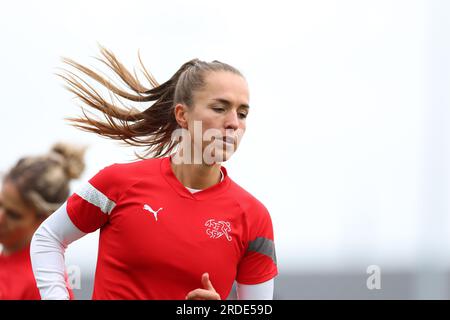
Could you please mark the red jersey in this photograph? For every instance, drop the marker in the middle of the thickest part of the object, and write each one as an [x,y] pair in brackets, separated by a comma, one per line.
[17,279]
[157,238]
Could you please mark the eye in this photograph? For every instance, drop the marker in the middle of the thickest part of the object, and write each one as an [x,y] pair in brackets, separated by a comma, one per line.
[12,215]
[218,109]
[242,115]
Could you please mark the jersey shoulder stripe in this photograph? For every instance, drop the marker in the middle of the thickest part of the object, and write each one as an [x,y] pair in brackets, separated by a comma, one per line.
[94,196]
[263,246]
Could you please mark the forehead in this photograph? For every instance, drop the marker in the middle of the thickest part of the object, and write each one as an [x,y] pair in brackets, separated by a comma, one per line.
[10,197]
[226,85]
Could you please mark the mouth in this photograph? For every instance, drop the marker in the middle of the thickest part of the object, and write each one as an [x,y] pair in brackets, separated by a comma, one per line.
[229,140]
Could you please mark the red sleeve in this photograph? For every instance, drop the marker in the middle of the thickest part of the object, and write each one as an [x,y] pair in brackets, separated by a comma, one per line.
[91,205]
[258,264]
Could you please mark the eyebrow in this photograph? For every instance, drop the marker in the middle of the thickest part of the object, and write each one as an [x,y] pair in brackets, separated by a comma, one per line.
[225,101]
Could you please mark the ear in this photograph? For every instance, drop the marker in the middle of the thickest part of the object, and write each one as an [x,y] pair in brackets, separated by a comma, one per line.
[181,115]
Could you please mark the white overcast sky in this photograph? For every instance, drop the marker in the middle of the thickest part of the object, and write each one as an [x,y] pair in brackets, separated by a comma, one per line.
[346,143]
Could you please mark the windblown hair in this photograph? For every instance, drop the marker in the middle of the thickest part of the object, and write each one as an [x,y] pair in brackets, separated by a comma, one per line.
[151,128]
[43,181]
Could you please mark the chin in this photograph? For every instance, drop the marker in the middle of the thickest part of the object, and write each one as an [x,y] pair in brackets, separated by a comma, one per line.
[219,153]
[224,156]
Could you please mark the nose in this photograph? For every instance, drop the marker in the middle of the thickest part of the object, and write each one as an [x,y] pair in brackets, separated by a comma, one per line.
[232,120]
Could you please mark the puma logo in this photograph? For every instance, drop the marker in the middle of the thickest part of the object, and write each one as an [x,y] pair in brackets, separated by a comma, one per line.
[155,213]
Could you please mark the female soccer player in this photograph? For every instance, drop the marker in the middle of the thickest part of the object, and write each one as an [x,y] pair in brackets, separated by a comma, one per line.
[174,225]
[33,189]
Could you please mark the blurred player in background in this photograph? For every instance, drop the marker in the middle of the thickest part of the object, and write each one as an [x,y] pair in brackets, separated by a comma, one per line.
[173,225]
[31,191]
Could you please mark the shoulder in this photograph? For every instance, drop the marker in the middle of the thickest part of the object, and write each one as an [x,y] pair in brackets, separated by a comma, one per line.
[30,290]
[257,219]
[130,171]
[23,278]
[116,178]
[251,206]
[137,167]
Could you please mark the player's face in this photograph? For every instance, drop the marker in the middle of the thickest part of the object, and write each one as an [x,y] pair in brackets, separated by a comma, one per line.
[18,221]
[221,105]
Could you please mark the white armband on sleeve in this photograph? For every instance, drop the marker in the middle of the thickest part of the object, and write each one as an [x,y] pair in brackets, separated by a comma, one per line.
[47,254]
[260,291]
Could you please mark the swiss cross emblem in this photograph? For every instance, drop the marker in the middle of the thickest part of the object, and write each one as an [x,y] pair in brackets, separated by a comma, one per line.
[216,229]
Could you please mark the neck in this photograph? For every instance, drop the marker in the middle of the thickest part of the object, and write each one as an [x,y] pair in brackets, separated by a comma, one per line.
[9,250]
[197,176]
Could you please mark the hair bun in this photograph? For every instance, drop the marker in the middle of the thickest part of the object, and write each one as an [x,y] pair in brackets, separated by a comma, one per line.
[73,158]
